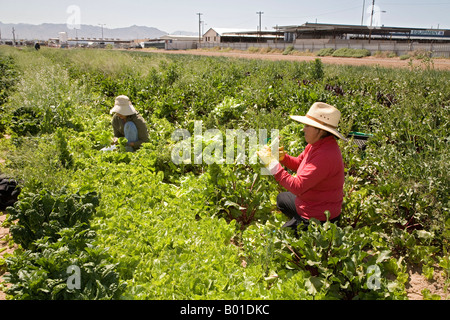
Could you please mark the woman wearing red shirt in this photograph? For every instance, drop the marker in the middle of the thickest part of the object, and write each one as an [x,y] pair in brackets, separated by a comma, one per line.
[319,181]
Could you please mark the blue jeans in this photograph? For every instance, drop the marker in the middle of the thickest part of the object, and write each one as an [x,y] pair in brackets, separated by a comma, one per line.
[131,134]
[286,204]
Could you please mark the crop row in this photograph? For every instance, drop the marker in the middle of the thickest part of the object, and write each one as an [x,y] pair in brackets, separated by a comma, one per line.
[195,231]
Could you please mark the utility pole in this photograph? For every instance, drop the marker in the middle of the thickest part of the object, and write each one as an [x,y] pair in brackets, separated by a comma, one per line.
[259,13]
[371,15]
[76,36]
[14,36]
[199,27]
[362,16]
[203,27]
[102,24]
[259,31]
[371,19]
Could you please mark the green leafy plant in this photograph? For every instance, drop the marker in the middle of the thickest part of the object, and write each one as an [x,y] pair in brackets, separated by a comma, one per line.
[317,70]
[237,193]
[45,214]
[229,109]
[64,155]
[196,231]
[54,233]
[339,261]
[8,76]
[45,273]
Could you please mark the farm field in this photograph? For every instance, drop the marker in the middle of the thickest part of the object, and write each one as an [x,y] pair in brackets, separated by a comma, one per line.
[139,226]
[396,62]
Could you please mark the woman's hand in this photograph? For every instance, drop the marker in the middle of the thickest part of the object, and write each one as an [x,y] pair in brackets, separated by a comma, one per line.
[266,156]
[281,153]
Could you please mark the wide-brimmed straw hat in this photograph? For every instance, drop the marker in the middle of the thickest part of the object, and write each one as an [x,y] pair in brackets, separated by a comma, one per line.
[322,116]
[123,106]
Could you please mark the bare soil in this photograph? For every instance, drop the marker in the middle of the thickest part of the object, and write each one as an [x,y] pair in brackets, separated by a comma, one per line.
[5,248]
[437,63]
[417,282]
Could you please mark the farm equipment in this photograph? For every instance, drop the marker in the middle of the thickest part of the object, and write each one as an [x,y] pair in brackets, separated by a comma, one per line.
[360,139]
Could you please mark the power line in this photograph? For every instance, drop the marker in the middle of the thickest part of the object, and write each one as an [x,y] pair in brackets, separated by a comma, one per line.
[416,4]
[314,14]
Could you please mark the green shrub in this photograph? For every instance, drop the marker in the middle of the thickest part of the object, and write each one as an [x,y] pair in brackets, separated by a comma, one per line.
[351,53]
[317,69]
[288,50]
[253,49]
[325,52]
[391,55]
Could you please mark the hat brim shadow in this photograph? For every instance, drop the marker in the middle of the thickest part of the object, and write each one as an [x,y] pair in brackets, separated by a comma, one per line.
[310,122]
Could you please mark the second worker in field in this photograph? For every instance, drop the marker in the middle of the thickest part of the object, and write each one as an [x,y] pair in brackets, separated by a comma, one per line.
[127,123]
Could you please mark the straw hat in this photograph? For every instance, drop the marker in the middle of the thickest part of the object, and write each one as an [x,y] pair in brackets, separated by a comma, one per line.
[322,116]
[123,106]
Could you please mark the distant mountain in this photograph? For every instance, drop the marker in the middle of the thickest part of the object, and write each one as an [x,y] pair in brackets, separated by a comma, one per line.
[46,31]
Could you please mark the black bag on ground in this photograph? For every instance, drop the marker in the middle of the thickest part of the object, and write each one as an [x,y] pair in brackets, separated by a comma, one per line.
[9,191]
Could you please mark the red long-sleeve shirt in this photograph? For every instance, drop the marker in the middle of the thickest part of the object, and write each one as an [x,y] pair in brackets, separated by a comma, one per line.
[319,182]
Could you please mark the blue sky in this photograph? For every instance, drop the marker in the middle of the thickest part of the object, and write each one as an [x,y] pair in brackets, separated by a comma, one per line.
[175,15]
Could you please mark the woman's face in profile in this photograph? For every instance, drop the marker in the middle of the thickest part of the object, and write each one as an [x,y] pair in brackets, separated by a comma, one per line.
[312,134]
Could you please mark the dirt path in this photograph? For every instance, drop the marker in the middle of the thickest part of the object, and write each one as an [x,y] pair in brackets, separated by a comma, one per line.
[4,235]
[417,282]
[4,247]
[440,64]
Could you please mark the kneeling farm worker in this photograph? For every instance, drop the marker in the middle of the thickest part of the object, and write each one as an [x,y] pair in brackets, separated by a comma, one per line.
[128,123]
[319,183]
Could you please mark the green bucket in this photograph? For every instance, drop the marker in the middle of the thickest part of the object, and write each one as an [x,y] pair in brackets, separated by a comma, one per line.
[359,138]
